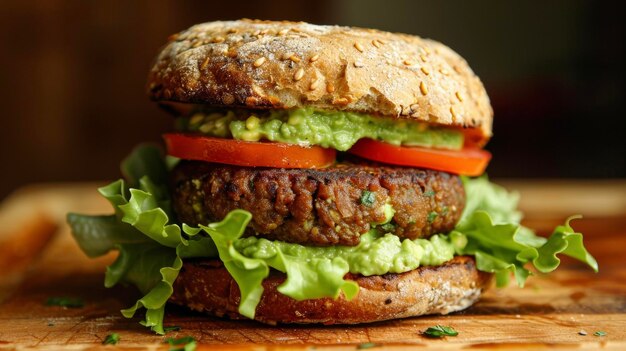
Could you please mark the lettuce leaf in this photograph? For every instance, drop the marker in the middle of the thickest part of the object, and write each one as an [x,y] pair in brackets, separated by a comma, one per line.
[152,247]
[501,245]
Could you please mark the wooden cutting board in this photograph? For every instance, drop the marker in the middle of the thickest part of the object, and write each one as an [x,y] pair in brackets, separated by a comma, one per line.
[39,260]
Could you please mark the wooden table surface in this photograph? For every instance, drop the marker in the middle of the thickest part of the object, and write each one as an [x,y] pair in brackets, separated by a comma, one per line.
[38,260]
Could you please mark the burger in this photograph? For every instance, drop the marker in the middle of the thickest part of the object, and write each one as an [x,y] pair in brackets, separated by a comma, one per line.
[315,174]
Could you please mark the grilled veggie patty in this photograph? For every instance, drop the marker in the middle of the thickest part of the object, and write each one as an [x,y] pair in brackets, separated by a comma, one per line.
[320,207]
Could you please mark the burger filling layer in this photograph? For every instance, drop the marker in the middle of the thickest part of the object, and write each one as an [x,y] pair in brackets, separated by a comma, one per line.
[153,244]
[331,129]
[375,254]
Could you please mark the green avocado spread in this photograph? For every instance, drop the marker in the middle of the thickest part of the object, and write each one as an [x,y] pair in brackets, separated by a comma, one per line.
[375,254]
[331,129]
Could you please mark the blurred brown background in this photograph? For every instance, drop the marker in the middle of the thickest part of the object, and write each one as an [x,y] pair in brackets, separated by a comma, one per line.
[73,73]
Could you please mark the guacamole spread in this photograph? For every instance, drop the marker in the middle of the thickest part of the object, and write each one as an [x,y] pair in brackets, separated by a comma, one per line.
[374,255]
[338,130]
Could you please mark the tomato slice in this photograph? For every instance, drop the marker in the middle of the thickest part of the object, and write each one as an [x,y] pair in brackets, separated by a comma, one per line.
[247,153]
[468,161]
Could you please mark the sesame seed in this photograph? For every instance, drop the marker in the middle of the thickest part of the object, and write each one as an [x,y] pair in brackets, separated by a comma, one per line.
[287,55]
[196,44]
[358,47]
[453,112]
[256,32]
[340,101]
[294,58]
[315,84]
[408,63]
[425,70]
[205,63]
[283,31]
[265,31]
[218,39]
[315,57]
[457,69]
[259,61]
[299,74]
[444,71]
[459,96]
[231,31]
[257,90]
[358,64]
[330,87]
[423,88]
[376,43]
[423,58]
[380,42]
[426,50]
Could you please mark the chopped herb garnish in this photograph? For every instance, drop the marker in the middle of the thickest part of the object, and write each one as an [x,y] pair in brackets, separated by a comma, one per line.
[367,345]
[432,216]
[65,302]
[188,343]
[600,333]
[429,193]
[171,328]
[439,331]
[111,339]
[368,198]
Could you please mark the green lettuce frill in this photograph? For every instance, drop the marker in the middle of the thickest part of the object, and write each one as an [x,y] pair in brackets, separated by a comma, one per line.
[152,247]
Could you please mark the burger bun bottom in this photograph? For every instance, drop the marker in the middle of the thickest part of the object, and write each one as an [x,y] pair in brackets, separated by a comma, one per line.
[206,286]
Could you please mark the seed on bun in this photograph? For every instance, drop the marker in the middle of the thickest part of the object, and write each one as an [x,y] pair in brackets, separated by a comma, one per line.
[284,65]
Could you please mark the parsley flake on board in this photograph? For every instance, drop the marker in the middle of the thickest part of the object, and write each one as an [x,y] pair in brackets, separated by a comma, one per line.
[65,302]
[186,343]
[600,333]
[439,331]
[366,345]
[111,339]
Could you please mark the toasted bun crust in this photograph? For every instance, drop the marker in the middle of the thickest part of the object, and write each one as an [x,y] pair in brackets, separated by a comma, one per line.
[206,286]
[279,65]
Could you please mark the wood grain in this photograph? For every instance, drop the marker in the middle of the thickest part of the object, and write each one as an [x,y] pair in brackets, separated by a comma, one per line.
[548,313]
